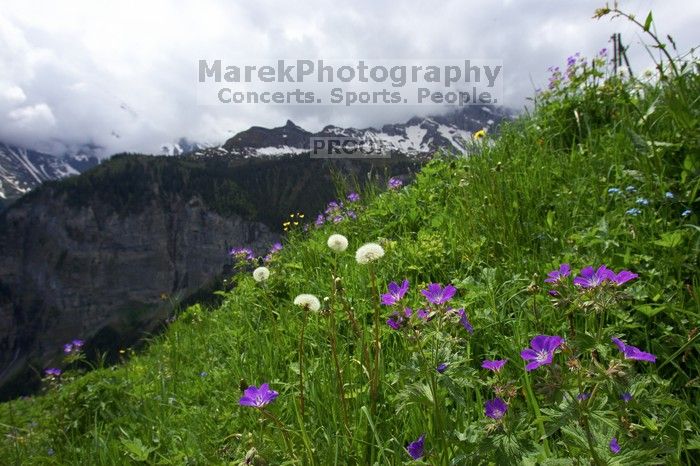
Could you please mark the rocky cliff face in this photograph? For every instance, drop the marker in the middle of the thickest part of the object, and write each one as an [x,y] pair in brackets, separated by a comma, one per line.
[89,272]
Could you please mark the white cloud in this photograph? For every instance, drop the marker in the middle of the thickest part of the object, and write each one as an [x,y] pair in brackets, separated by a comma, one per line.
[122,74]
[11,95]
[32,116]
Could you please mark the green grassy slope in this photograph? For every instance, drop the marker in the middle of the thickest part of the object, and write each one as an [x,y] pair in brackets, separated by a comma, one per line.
[492,225]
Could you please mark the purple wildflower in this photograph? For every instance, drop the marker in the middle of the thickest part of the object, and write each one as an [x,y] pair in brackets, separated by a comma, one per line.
[258,397]
[277,247]
[541,351]
[632,352]
[353,197]
[496,408]
[351,214]
[395,293]
[332,207]
[442,367]
[395,183]
[621,277]
[494,365]
[320,220]
[464,320]
[614,446]
[558,275]
[415,448]
[583,396]
[626,397]
[396,321]
[242,253]
[553,293]
[436,294]
[53,372]
[423,314]
[73,347]
[338,219]
[590,278]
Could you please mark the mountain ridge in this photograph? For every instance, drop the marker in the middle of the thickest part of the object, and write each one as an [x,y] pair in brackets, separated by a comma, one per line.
[22,169]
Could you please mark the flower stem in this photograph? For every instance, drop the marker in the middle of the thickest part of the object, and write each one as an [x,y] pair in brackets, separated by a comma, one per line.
[339,373]
[538,415]
[301,361]
[282,428]
[374,385]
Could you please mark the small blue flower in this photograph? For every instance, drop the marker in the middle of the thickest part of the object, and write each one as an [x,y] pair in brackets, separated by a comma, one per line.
[686,213]
[642,201]
[631,189]
[669,195]
[614,191]
[634,212]
[203,374]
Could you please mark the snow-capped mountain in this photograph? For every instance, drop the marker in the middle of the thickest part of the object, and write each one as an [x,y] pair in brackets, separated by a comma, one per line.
[419,136]
[181,146]
[21,170]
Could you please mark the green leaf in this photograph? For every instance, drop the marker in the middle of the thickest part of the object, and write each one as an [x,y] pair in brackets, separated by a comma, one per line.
[550,219]
[136,449]
[647,22]
[693,443]
[650,424]
[670,239]
[649,310]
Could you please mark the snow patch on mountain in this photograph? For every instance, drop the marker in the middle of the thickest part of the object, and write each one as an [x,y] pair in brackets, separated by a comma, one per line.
[21,169]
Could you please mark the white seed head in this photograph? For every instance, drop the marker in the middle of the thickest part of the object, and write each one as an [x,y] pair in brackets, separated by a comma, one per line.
[261,274]
[308,301]
[369,252]
[338,243]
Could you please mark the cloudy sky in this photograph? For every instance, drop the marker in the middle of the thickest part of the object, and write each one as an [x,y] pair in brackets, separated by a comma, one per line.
[122,74]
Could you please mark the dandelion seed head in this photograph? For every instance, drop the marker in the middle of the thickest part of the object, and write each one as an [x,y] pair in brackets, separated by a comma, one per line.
[337,243]
[261,274]
[308,301]
[369,252]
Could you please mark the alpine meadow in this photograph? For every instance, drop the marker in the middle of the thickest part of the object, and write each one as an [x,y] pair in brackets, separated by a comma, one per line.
[535,302]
